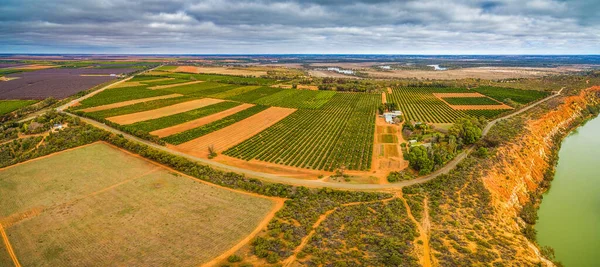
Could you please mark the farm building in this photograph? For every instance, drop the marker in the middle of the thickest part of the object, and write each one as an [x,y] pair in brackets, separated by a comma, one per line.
[390,116]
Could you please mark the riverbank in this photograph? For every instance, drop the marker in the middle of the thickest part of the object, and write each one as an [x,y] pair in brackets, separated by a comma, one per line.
[568,219]
[524,169]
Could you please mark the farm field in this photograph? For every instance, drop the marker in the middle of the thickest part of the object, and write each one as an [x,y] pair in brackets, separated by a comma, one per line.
[222,138]
[339,133]
[164,111]
[7,106]
[220,70]
[470,101]
[96,212]
[57,83]
[516,95]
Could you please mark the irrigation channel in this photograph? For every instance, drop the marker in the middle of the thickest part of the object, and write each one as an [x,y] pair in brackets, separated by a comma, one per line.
[569,216]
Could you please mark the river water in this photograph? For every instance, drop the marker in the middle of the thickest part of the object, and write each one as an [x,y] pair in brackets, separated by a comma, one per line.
[569,216]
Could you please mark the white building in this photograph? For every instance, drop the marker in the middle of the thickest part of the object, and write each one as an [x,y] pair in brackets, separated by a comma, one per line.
[390,116]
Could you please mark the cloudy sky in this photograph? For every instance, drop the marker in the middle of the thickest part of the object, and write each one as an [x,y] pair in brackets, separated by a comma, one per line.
[314,26]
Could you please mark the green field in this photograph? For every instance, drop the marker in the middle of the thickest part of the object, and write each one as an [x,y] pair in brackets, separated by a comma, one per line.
[470,101]
[341,132]
[502,94]
[420,105]
[95,212]
[8,106]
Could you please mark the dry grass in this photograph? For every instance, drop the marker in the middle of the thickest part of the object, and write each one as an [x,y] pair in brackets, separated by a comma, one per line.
[221,70]
[113,208]
[34,67]
[234,134]
[481,72]
[164,111]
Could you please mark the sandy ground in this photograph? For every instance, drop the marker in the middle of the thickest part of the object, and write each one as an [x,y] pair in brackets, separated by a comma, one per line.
[383,98]
[199,122]
[387,156]
[272,168]
[332,74]
[34,67]
[220,70]
[173,85]
[95,213]
[481,72]
[234,134]
[164,111]
[127,103]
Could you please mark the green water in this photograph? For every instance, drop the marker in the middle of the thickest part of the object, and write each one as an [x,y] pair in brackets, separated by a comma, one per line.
[569,216]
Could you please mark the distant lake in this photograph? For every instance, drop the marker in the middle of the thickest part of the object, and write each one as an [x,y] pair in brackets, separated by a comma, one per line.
[569,216]
[437,67]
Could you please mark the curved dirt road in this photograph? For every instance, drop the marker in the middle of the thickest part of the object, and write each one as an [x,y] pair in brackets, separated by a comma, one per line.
[308,183]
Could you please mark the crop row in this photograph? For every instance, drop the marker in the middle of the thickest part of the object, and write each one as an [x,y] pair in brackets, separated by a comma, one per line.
[179,118]
[470,101]
[339,133]
[291,98]
[419,104]
[251,96]
[503,94]
[188,135]
[117,95]
[221,78]
[139,107]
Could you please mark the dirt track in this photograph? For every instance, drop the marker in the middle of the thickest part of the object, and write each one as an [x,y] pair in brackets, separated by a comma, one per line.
[164,111]
[9,248]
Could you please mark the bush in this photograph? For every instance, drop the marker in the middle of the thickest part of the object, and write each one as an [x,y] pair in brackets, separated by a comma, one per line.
[234,258]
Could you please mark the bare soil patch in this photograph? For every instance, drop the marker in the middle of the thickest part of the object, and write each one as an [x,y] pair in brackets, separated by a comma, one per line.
[96,212]
[332,74]
[34,67]
[221,70]
[480,72]
[271,168]
[173,85]
[199,122]
[387,156]
[127,103]
[234,134]
[164,111]
[383,98]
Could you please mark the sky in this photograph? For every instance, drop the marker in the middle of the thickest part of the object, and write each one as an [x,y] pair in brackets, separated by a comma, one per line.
[300,27]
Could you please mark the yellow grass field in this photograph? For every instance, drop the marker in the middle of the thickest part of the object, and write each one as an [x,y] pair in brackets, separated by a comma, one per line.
[113,208]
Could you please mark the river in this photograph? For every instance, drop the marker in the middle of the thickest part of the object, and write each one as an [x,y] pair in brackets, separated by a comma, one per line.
[569,216]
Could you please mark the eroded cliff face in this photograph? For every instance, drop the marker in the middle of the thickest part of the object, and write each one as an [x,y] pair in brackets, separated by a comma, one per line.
[520,165]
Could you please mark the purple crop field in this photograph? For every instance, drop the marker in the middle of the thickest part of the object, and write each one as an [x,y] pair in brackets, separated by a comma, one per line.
[57,83]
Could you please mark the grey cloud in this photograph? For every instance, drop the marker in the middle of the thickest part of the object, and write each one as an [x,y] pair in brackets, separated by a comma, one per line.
[315,26]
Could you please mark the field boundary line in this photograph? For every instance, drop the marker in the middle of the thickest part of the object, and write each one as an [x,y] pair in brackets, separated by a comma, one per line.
[9,247]
[47,156]
[279,203]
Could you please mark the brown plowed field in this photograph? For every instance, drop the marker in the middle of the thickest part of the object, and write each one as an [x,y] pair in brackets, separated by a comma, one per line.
[234,134]
[220,70]
[164,111]
[440,95]
[173,85]
[383,98]
[199,122]
[127,103]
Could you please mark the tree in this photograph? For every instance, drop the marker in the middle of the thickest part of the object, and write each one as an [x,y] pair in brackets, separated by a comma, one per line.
[419,160]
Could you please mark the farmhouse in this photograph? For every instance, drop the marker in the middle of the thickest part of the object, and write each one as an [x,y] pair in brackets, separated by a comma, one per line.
[390,116]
